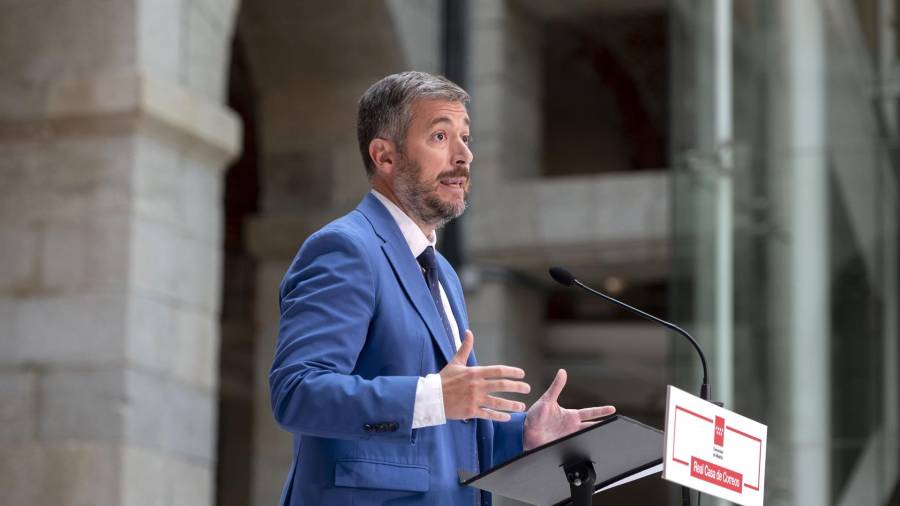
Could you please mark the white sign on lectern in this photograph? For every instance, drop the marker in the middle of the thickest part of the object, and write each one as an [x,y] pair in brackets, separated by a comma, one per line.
[714,450]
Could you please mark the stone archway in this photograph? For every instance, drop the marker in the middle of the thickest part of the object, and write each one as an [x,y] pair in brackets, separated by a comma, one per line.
[309,62]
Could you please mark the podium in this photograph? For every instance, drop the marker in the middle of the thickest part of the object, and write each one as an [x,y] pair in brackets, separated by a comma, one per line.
[571,469]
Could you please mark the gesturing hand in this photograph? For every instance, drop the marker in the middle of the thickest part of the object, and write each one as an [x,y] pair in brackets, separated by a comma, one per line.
[467,390]
[548,421]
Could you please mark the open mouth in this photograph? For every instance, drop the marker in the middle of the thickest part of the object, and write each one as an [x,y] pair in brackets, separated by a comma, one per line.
[454,182]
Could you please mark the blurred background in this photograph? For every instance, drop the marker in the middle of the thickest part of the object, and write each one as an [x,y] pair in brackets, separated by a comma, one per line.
[731,165]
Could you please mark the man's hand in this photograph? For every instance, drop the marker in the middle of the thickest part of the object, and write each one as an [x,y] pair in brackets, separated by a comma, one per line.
[467,390]
[548,421]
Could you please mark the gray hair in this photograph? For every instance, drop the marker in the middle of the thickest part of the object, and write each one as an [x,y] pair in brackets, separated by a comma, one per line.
[384,109]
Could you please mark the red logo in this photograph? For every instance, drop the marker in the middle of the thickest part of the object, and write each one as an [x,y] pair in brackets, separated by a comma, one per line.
[719,439]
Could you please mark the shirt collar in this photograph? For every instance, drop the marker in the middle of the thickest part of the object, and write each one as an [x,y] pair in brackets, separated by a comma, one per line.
[415,238]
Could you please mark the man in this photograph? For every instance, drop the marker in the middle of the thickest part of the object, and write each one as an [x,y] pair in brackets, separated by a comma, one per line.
[374,373]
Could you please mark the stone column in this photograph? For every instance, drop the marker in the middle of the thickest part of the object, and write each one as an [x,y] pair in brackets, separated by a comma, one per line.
[506,125]
[112,144]
[506,315]
[506,94]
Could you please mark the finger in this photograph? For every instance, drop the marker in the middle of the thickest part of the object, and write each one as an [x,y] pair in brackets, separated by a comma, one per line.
[489,414]
[518,387]
[500,404]
[585,425]
[465,348]
[559,382]
[498,371]
[595,412]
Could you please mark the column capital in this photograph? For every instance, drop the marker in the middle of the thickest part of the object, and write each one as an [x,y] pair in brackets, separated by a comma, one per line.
[144,101]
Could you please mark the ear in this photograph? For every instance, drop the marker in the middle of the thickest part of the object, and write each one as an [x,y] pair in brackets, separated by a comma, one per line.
[383,154]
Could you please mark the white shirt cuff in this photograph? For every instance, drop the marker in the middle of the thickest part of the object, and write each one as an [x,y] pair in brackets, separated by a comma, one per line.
[429,407]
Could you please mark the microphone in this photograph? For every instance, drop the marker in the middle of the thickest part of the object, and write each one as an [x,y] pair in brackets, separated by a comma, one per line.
[566,278]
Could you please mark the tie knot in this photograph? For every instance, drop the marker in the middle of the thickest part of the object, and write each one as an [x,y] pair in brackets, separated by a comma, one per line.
[427,259]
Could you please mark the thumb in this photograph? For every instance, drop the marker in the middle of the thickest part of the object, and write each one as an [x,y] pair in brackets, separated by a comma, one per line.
[462,355]
[559,382]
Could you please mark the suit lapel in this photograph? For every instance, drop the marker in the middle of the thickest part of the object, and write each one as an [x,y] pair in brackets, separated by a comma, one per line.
[407,270]
[455,299]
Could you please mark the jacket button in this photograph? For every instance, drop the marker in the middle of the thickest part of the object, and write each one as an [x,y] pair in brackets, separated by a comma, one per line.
[368,427]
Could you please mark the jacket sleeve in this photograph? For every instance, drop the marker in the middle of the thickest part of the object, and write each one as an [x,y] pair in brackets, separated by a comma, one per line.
[509,439]
[328,298]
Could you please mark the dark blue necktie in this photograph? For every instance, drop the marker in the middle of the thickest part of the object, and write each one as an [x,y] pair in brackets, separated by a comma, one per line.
[430,267]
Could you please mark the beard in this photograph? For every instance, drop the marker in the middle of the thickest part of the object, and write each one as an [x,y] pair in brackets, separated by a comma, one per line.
[421,199]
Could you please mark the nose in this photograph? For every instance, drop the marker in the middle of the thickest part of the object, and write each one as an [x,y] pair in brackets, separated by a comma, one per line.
[462,155]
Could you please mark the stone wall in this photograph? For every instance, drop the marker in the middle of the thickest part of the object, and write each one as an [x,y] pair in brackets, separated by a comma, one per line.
[112,144]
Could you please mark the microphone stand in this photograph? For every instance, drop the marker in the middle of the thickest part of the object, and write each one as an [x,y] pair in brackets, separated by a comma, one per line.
[704,386]
[566,278]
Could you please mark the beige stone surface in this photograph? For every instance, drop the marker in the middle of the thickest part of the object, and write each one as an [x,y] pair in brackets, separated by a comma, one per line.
[155,479]
[181,343]
[87,36]
[280,236]
[617,223]
[197,186]
[191,483]
[196,361]
[169,417]
[272,445]
[291,114]
[18,403]
[268,281]
[86,256]
[60,473]
[85,404]
[206,50]
[157,176]
[130,94]
[304,42]
[155,340]
[63,179]
[78,329]
[145,477]
[113,137]
[19,246]
[269,477]
[158,32]
[417,25]
[17,461]
[506,92]
[154,263]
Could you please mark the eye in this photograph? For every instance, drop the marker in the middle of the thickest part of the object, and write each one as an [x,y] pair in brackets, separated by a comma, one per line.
[466,138]
[441,136]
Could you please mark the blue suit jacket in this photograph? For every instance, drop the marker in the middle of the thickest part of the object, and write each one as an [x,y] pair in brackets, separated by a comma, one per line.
[358,328]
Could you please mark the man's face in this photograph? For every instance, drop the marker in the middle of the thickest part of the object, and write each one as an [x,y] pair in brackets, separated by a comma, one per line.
[432,178]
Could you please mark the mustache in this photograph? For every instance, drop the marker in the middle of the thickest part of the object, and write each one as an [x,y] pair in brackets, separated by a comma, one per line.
[459,172]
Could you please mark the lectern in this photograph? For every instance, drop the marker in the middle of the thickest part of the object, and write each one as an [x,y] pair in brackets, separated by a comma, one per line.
[571,469]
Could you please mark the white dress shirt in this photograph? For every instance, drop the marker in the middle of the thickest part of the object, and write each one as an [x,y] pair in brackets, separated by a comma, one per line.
[429,406]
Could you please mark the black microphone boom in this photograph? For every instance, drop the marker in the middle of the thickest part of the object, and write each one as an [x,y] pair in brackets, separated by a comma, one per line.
[562,276]
[566,278]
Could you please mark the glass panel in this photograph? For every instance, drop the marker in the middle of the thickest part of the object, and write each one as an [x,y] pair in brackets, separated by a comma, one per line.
[813,243]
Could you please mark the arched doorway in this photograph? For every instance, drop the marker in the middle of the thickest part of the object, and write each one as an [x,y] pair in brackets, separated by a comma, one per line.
[298,69]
